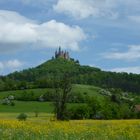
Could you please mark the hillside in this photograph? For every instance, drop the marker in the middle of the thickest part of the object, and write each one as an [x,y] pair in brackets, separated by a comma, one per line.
[41,77]
[28,100]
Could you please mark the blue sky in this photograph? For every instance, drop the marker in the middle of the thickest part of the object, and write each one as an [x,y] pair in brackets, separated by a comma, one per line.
[100,33]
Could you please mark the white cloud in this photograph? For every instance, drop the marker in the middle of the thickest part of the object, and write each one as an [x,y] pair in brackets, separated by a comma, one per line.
[127,69]
[13,17]
[17,31]
[11,64]
[85,8]
[133,53]
[54,33]
[112,9]
[76,8]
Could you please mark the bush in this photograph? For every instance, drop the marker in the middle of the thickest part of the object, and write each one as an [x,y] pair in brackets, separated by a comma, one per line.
[27,96]
[95,105]
[6,101]
[11,97]
[22,117]
[77,97]
[138,115]
[79,112]
[48,96]
[12,103]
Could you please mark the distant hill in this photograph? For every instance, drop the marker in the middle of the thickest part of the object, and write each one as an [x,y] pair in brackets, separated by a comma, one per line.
[41,77]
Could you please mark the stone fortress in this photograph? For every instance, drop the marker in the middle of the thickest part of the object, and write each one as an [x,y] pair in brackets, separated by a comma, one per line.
[62,54]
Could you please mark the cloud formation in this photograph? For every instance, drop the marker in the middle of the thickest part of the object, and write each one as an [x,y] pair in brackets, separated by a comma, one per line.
[133,53]
[11,65]
[18,31]
[85,8]
[112,9]
[127,69]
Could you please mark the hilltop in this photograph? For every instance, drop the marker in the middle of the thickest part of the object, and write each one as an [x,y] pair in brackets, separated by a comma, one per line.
[41,76]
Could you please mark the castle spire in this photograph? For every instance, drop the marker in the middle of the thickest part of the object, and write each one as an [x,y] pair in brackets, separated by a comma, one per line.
[59,49]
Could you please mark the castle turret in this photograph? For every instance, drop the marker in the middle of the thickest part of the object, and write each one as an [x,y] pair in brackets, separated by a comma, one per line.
[62,54]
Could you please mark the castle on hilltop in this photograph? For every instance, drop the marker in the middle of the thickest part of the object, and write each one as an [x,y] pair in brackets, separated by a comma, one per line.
[62,54]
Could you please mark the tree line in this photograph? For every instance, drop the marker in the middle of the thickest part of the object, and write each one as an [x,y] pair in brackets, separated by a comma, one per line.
[41,77]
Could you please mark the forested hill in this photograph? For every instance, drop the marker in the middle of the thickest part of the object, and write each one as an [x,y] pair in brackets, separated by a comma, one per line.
[41,77]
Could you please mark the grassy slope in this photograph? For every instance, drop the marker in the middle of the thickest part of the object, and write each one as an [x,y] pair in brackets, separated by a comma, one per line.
[31,106]
[90,90]
[37,92]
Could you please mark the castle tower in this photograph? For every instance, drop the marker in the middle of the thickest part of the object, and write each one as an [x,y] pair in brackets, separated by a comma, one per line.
[59,50]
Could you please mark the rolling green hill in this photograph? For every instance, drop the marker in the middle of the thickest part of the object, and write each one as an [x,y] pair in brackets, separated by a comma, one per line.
[28,100]
[36,93]
[32,104]
[84,97]
[41,77]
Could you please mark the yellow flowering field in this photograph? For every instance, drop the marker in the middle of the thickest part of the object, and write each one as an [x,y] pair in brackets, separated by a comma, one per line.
[70,130]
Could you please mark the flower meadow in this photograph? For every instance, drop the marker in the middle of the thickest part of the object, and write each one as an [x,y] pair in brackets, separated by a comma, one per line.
[70,130]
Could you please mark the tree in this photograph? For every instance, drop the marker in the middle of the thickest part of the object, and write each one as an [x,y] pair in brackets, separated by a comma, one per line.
[62,89]
[22,117]
[79,112]
[95,106]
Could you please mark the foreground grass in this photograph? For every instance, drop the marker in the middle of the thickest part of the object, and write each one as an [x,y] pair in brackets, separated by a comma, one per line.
[42,116]
[30,106]
[71,130]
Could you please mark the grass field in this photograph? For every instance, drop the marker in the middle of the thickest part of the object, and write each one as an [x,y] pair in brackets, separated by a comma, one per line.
[31,116]
[30,106]
[70,130]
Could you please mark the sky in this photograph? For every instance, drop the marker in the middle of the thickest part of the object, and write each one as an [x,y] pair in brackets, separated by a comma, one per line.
[99,33]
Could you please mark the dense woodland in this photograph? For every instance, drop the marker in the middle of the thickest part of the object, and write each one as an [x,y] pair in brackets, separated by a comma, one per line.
[42,75]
